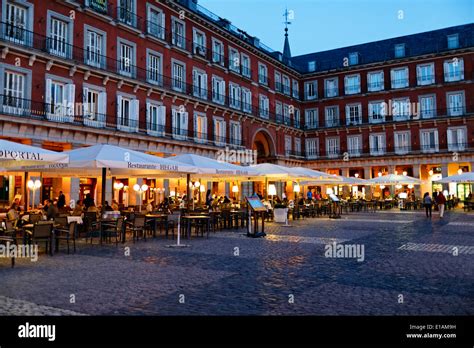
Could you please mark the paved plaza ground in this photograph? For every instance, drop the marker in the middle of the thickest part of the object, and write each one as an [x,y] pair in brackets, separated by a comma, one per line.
[409,268]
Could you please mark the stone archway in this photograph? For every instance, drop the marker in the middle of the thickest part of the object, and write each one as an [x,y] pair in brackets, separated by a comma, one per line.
[264,145]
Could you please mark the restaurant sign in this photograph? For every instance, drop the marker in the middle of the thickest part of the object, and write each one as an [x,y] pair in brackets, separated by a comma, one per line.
[20,155]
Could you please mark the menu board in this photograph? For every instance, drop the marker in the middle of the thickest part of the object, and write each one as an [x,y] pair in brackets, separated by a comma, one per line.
[255,203]
[334,197]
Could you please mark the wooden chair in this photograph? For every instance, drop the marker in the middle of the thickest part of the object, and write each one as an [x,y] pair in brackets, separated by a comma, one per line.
[115,231]
[138,227]
[43,232]
[67,234]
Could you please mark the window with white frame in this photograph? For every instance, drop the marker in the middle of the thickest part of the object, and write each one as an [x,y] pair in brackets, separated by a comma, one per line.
[427,106]
[312,148]
[429,140]
[200,127]
[127,12]
[377,111]
[375,81]
[156,22]
[199,43]
[199,84]
[178,33]
[94,106]
[399,50]
[126,57]
[377,144]
[14,92]
[456,103]
[298,147]
[332,116]
[331,87]
[401,109]
[425,74]
[453,70]
[353,58]
[279,111]
[278,86]
[264,106]
[311,118]
[95,43]
[60,34]
[60,99]
[288,141]
[17,22]
[453,41]
[245,60]
[217,52]
[402,142]
[262,74]
[218,90]
[154,67]
[234,60]
[311,90]
[246,100]
[286,114]
[352,84]
[354,145]
[179,123]
[286,84]
[457,138]
[235,133]
[399,77]
[127,113]
[332,147]
[296,117]
[155,118]
[219,131]
[353,114]
[179,76]
[234,95]
[296,89]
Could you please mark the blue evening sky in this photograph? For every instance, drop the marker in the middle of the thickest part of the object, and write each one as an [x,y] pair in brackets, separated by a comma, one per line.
[320,25]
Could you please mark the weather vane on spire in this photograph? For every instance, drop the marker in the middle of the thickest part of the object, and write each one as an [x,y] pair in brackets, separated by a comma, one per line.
[288,15]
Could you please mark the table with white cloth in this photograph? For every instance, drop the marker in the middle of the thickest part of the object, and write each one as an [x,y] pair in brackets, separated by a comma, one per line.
[77,219]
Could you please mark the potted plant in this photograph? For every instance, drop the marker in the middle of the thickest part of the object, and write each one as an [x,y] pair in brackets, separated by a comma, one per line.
[280,212]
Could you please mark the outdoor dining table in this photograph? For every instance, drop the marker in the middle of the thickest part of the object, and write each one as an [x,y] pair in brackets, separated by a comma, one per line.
[77,219]
[155,218]
[190,218]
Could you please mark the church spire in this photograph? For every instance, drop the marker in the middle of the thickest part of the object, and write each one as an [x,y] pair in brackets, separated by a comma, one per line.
[286,46]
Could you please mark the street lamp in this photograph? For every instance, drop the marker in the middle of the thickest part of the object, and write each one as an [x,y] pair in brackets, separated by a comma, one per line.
[460,171]
[405,173]
[296,189]
[380,174]
[139,190]
[33,186]
[235,190]
[356,175]
[272,190]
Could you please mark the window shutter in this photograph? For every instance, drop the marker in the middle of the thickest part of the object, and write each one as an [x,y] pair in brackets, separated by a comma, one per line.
[162,25]
[48,91]
[149,124]
[162,117]
[184,123]
[70,97]
[204,83]
[102,108]
[174,120]
[119,108]
[460,134]
[135,113]
[461,68]
[396,140]
[450,138]
[85,104]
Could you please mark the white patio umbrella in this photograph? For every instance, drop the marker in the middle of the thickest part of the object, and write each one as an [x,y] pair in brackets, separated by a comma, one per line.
[394,179]
[341,180]
[464,178]
[315,175]
[13,155]
[209,167]
[277,172]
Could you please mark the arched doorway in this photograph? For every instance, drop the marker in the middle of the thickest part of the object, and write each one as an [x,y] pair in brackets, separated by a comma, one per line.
[264,145]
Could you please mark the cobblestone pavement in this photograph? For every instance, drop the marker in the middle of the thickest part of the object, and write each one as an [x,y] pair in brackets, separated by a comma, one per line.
[412,266]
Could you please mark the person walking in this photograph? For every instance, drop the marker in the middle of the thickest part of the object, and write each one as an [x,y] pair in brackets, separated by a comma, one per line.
[428,203]
[441,200]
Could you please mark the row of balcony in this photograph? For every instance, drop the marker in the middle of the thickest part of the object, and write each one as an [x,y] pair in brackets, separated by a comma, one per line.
[60,113]
[124,68]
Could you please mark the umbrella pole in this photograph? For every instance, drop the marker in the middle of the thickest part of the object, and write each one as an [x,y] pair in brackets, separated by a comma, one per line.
[188,191]
[266,189]
[104,184]
[25,191]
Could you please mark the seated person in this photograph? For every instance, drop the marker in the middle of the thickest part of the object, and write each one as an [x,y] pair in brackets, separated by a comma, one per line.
[52,211]
[108,207]
[12,213]
[78,209]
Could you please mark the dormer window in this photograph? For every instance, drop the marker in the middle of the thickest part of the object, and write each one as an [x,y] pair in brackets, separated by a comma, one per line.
[453,41]
[400,50]
[353,58]
[312,66]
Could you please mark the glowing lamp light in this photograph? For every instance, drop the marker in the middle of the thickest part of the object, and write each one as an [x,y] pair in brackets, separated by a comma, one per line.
[405,173]
[235,189]
[356,175]
[379,174]
[34,185]
[398,186]
[296,188]
[118,185]
[172,193]
[396,172]
[382,187]
[410,186]
[202,188]
[445,193]
[139,188]
[459,171]
[272,190]
[431,172]
[329,191]
[197,184]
